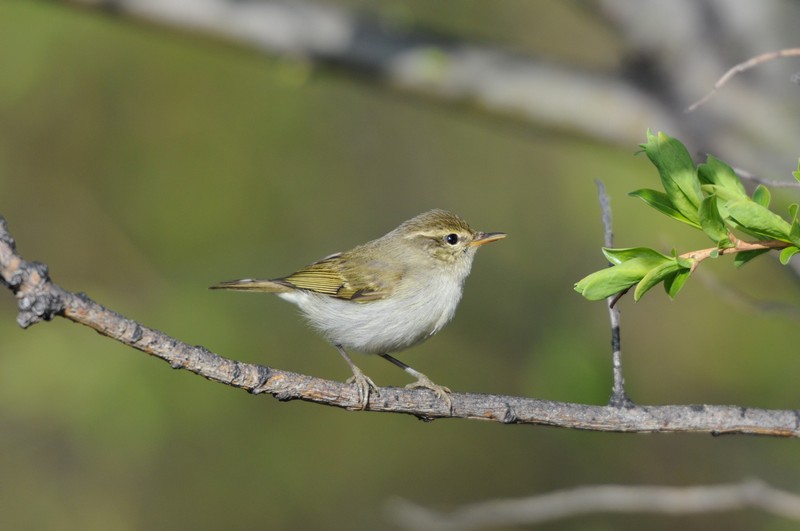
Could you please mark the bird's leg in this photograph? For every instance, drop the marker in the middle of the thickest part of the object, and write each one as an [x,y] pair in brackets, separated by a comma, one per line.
[423,381]
[363,383]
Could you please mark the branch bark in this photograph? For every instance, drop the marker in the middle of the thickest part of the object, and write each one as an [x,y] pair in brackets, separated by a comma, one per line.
[619,398]
[40,299]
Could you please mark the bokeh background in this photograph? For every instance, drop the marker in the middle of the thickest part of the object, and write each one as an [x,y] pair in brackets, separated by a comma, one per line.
[143,164]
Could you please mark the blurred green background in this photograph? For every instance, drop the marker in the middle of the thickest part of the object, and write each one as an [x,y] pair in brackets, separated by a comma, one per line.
[144,165]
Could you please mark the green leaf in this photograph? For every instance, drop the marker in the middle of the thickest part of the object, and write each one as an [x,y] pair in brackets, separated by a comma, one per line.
[677,171]
[754,219]
[618,256]
[673,284]
[612,280]
[761,195]
[723,193]
[745,256]
[660,201]
[794,234]
[716,172]
[606,282]
[788,253]
[797,173]
[654,276]
[711,222]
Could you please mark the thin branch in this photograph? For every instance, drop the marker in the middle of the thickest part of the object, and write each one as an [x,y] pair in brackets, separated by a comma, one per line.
[741,67]
[619,398]
[738,247]
[744,174]
[40,299]
[579,501]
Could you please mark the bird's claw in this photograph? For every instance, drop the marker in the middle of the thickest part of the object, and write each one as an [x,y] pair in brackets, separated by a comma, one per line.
[364,385]
[442,392]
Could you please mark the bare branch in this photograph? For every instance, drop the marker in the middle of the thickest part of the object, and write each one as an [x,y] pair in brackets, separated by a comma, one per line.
[741,67]
[619,398]
[601,498]
[744,174]
[41,299]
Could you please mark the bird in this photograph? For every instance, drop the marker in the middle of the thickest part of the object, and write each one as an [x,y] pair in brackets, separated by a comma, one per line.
[385,295]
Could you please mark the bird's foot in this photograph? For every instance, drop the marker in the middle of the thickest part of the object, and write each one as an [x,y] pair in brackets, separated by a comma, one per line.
[364,385]
[440,391]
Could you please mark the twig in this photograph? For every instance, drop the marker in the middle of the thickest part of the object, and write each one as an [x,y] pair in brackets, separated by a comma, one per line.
[578,501]
[738,247]
[744,174]
[41,299]
[619,398]
[741,67]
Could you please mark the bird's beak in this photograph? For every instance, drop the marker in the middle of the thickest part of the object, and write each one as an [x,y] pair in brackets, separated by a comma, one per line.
[486,237]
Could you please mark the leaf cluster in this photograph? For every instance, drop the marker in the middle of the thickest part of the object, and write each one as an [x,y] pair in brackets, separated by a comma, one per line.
[709,197]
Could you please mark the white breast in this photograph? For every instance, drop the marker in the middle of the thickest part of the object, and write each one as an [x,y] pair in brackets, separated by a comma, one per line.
[402,320]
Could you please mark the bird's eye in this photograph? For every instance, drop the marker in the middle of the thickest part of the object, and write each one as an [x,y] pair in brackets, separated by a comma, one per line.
[452,239]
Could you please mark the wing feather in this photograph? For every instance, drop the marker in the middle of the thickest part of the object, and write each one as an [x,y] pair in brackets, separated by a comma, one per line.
[345,277]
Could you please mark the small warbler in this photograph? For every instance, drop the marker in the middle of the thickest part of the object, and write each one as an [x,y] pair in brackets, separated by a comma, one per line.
[386,295]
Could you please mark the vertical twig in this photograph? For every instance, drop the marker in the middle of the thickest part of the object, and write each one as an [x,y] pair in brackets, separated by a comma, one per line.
[618,396]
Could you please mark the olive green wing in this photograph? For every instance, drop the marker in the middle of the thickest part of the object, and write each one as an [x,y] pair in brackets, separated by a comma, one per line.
[343,277]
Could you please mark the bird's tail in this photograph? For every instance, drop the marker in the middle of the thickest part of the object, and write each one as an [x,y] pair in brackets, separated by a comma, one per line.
[253,284]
